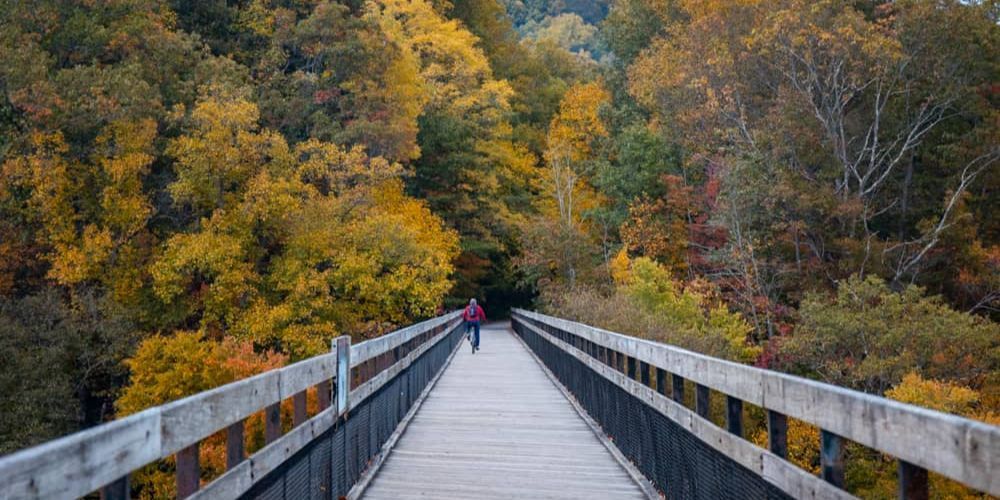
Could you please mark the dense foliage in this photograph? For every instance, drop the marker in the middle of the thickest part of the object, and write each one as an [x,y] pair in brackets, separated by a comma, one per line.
[195,191]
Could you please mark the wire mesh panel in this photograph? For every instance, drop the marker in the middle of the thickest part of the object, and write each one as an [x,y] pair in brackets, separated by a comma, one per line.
[677,462]
[332,463]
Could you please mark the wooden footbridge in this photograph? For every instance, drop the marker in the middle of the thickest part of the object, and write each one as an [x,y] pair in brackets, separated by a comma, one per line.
[547,409]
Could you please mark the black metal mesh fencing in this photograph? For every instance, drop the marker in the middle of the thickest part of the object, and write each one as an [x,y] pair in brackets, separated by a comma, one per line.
[677,462]
[328,467]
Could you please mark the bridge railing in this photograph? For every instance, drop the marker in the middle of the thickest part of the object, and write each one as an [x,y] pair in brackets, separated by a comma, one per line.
[634,389]
[102,457]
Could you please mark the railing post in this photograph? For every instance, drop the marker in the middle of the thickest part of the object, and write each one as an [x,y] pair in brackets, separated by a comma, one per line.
[831,458]
[188,471]
[734,415]
[912,482]
[678,388]
[343,344]
[234,445]
[118,490]
[701,399]
[777,433]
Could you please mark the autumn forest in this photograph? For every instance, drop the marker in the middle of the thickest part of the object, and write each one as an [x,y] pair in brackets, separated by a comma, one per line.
[196,191]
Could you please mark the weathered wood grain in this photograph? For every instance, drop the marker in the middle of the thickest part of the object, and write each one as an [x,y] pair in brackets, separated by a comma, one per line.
[364,351]
[188,420]
[83,462]
[300,376]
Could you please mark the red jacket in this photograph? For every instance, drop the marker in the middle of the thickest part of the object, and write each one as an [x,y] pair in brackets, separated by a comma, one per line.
[478,315]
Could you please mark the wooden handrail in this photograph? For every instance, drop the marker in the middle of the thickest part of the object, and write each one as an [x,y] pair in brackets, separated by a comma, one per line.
[78,464]
[965,450]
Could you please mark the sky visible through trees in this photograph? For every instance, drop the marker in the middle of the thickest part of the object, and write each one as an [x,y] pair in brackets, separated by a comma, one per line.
[192,192]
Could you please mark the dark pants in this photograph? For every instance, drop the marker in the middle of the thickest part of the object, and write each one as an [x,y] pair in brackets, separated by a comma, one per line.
[473,325]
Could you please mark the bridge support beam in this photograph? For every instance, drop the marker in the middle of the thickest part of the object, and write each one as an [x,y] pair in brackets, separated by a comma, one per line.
[912,482]
[831,458]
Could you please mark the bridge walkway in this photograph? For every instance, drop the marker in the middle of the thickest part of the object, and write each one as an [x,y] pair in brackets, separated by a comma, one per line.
[495,426]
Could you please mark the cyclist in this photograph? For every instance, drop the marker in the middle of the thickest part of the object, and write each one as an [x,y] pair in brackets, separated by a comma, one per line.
[473,316]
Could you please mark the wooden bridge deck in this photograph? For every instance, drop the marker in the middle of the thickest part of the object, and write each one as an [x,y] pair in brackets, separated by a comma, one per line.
[495,426]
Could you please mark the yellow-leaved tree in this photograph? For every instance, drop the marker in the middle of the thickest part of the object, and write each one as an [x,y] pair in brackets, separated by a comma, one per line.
[299,245]
[559,244]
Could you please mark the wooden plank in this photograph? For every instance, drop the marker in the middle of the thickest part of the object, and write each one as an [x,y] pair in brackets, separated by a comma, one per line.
[191,419]
[831,458]
[734,415]
[118,490]
[363,351]
[80,463]
[961,449]
[299,414]
[913,483]
[188,471]
[701,400]
[324,391]
[272,423]
[777,433]
[300,376]
[677,389]
[234,445]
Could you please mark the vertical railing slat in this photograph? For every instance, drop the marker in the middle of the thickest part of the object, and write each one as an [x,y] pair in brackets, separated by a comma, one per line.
[831,458]
[118,490]
[912,482]
[323,395]
[701,400]
[234,445]
[661,381]
[188,471]
[299,413]
[777,433]
[677,384]
[734,415]
[272,422]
